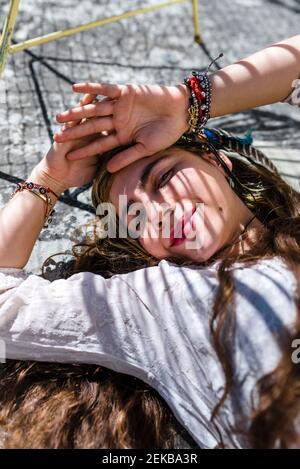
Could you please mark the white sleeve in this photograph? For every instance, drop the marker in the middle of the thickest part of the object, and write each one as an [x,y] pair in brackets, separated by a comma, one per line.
[112,322]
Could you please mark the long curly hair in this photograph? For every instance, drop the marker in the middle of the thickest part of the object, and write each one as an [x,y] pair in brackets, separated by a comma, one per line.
[277,205]
[72,406]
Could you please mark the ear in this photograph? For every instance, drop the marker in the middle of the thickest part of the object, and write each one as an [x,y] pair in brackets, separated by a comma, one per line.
[213,160]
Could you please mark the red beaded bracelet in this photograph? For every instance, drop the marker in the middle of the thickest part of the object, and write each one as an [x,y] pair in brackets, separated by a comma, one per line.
[200,99]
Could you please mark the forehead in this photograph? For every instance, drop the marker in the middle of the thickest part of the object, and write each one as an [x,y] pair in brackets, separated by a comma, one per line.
[125,181]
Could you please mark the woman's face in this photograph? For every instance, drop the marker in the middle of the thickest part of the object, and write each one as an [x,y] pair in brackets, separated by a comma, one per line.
[183,191]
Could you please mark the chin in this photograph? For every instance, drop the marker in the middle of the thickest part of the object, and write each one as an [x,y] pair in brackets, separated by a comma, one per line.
[200,254]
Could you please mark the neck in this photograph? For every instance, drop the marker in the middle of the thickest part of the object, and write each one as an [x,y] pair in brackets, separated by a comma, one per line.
[245,239]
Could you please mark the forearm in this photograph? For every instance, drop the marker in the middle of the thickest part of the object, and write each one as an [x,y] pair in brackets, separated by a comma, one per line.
[21,221]
[263,78]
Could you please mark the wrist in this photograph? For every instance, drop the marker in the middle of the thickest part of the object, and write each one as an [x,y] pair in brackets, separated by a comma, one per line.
[182,100]
[218,86]
[40,176]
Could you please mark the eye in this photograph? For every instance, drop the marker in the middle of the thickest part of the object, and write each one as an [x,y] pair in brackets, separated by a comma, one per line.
[164,178]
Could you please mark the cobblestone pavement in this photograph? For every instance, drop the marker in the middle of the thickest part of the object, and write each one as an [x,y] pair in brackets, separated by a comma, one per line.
[152,48]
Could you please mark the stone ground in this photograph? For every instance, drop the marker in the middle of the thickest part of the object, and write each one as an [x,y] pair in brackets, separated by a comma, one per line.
[153,48]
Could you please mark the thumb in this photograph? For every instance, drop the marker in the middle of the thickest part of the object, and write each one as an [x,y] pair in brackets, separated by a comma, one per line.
[126,157]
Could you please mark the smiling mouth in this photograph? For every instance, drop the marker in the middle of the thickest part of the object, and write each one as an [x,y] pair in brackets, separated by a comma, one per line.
[178,235]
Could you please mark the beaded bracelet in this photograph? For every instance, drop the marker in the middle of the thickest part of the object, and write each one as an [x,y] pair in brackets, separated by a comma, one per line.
[40,191]
[199,109]
[31,185]
[200,99]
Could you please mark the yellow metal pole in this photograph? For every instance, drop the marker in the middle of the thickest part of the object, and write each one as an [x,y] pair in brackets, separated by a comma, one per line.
[197,36]
[8,28]
[68,32]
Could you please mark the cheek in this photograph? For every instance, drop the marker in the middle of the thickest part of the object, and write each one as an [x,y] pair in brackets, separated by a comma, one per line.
[212,190]
[151,241]
[194,184]
[184,184]
[152,246]
[215,223]
[218,209]
[219,204]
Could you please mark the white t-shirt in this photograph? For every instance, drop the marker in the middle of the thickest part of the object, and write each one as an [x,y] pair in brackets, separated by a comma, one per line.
[154,324]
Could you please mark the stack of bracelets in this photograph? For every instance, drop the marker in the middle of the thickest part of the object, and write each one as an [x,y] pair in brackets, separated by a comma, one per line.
[200,100]
[43,193]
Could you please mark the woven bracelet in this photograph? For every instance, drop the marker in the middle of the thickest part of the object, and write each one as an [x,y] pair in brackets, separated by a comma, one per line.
[43,193]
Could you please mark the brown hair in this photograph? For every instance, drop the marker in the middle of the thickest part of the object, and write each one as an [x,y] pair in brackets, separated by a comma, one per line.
[69,406]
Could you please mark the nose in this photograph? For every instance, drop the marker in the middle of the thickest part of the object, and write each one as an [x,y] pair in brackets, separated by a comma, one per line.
[159,219]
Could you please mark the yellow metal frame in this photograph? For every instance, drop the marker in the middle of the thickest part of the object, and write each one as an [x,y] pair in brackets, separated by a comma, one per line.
[5,40]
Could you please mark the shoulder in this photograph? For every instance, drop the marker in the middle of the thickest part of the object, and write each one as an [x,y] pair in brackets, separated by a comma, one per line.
[265,299]
[271,269]
[264,291]
[270,276]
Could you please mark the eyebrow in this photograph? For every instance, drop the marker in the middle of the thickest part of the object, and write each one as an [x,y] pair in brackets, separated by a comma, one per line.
[146,173]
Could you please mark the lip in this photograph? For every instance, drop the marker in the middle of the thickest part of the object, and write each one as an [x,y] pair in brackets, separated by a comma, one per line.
[179,228]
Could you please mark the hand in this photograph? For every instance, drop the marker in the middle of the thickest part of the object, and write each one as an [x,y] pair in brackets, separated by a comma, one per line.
[151,117]
[59,173]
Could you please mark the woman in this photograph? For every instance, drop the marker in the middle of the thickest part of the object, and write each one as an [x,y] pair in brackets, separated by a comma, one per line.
[180,330]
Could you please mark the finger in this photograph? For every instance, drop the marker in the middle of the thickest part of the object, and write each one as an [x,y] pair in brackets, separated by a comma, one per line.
[90,161]
[86,99]
[126,157]
[107,132]
[87,111]
[98,146]
[92,126]
[104,89]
